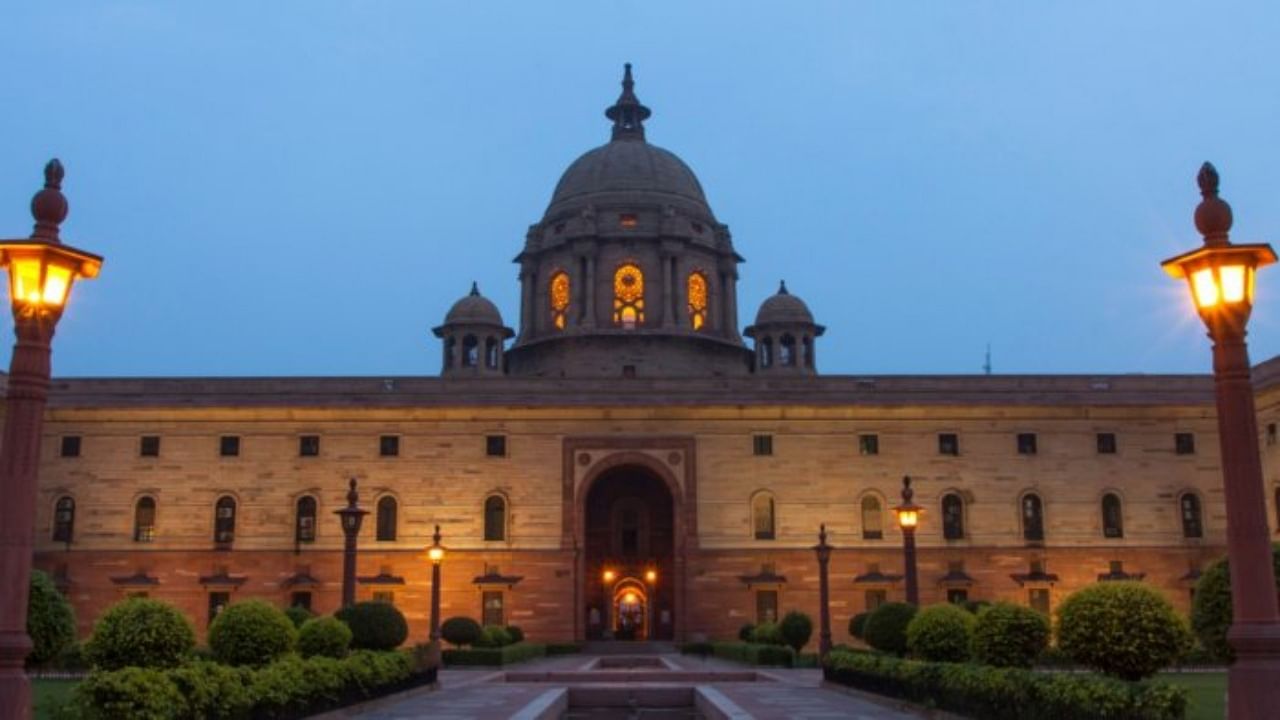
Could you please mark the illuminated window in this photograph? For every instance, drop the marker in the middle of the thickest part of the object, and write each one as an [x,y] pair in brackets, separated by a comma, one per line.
[872,518]
[627,220]
[144,520]
[762,521]
[64,519]
[628,296]
[305,520]
[560,299]
[1112,517]
[697,300]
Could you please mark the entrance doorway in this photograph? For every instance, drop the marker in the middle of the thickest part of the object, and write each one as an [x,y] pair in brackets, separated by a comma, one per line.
[630,611]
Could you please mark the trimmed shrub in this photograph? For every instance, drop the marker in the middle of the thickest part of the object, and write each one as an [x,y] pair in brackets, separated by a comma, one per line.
[1125,629]
[493,636]
[746,632]
[755,653]
[858,624]
[563,648]
[134,692]
[298,615]
[374,625]
[324,637]
[886,628]
[975,606]
[251,632]
[140,632]
[214,691]
[1008,635]
[1006,693]
[1211,612]
[494,656]
[460,631]
[517,635]
[796,629]
[50,621]
[767,633]
[940,633]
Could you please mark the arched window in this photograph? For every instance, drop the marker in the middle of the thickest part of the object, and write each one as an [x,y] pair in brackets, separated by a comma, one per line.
[766,352]
[495,518]
[450,343]
[491,352]
[560,298]
[952,516]
[787,351]
[762,520]
[224,520]
[697,287]
[872,518]
[808,352]
[305,520]
[1192,527]
[386,530]
[1032,518]
[628,296]
[144,519]
[1112,516]
[64,519]
[470,351]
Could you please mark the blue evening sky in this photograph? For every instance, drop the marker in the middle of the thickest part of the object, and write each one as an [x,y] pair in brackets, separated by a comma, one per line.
[303,188]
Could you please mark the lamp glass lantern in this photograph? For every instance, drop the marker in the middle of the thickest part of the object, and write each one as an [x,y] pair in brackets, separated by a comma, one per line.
[41,274]
[1221,278]
[435,553]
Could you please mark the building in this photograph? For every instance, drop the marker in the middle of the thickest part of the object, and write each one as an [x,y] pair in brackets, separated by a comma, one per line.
[625,463]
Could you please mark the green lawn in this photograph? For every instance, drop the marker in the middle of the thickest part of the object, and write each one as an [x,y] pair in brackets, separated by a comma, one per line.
[1208,691]
[50,692]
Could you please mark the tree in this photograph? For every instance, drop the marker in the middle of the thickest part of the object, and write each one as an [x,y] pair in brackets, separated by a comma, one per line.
[140,632]
[886,628]
[1008,635]
[1211,613]
[796,629]
[941,633]
[1125,629]
[51,623]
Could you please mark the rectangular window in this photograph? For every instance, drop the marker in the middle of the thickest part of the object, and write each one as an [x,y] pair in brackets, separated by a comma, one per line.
[869,444]
[149,446]
[1038,599]
[948,444]
[766,606]
[876,598]
[495,445]
[1271,433]
[308,445]
[1106,443]
[492,611]
[389,445]
[301,600]
[957,596]
[762,445]
[1184,443]
[229,446]
[218,601]
[1026,443]
[384,596]
[70,446]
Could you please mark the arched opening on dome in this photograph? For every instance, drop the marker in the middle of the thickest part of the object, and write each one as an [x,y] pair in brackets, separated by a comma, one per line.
[808,352]
[560,298]
[766,352]
[628,296]
[492,353]
[787,351]
[450,344]
[697,292]
[470,351]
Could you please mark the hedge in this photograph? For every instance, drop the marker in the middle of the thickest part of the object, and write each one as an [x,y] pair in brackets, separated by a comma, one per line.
[755,653]
[941,633]
[460,631]
[1006,693]
[886,628]
[139,632]
[563,649]
[1211,612]
[51,623]
[1008,635]
[325,637]
[494,656]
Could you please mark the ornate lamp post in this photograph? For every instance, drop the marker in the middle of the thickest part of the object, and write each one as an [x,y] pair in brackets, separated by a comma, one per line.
[651,589]
[1220,276]
[823,550]
[436,554]
[41,272]
[352,518]
[908,516]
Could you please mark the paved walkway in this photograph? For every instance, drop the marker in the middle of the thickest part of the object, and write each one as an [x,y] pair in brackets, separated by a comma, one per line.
[485,695]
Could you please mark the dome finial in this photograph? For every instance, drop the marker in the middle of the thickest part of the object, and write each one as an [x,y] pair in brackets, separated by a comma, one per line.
[475,289]
[627,114]
[49,206]
[1213,214]
[782,287]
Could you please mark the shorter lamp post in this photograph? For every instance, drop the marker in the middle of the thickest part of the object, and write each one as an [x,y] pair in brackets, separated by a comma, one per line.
[606,600]
[650,615]
[352,518]
[823,551]
[1220,276]
[908,517]
[435,554]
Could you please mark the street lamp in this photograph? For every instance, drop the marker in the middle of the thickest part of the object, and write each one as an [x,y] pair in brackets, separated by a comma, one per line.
[823,550]
[352,517]
[435,554]
[908,517]
[1221,279]
[41,272]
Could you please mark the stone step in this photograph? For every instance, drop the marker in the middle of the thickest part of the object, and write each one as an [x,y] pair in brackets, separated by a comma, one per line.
[628,647]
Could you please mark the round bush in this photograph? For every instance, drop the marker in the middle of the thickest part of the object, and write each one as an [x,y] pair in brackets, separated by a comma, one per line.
[251,632]
[459,631]
[134,692]
[796,629]
[1008,635]
[1211,612]
[746,632]
[517,635]
[325,637]
[375,625]
[767,633]
[140,632]
[1125,629]
[494,636]
[298,615]
[941,633]
[50,621]
[213,691]
[858,624]
[886,628]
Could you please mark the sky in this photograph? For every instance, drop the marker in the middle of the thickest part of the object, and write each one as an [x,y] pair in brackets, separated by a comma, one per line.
[304,188]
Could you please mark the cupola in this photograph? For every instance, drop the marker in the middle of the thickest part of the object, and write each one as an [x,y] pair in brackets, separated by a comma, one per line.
[473,336]
[784,334]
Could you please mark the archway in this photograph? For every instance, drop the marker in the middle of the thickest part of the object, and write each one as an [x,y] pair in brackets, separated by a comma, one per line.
[629,547]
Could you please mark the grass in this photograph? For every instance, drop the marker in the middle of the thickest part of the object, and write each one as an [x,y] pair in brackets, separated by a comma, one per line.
[49,693]
[1207,690]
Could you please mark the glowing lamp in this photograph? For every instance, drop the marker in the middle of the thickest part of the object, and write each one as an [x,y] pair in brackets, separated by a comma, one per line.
[629,598]
[436,552]
[908,517]
[651,576]
[609,575]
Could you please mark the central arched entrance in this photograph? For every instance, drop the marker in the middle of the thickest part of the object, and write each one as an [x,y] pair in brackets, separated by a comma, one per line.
[629,549]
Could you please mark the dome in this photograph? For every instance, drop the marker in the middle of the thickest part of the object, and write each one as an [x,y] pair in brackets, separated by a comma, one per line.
[474,309]
[632,167]
[784,308]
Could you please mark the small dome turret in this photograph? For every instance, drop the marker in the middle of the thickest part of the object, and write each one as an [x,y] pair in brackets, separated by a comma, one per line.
[473,336]
[784,334]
